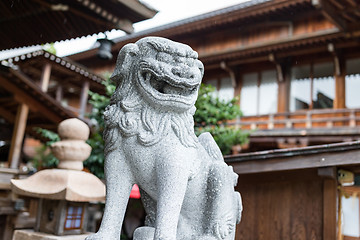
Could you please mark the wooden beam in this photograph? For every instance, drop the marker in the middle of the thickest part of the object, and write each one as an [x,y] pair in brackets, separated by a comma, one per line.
[284,92]
[329,209]
[138,7]
[23,97]
[327,172]
[42,125]
[278,67]
[122,24]
[18,136]
[283,68]
[342,158]
[352,3]
[125,25]
[237,62]
[239,84]
[96,20]
[6,100]
[331,13]
[83,98]
[265,46]
[231,72]
[45,77]
[337,3]
[340,93]
[8,116]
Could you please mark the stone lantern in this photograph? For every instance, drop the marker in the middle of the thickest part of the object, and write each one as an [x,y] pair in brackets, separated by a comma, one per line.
[63,193]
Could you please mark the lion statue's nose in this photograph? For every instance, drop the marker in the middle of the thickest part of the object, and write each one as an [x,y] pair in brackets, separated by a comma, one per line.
[190,73]
[177,71]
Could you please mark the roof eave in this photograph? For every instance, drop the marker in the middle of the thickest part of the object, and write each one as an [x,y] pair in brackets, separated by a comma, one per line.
[146,11]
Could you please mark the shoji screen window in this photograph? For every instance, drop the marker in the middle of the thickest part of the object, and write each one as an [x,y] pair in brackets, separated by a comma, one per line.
[352,83]
[259,93]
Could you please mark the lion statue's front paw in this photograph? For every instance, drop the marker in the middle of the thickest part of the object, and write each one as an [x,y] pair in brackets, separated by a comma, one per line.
[101,236]
[224,229]
[144,233]
[95,237]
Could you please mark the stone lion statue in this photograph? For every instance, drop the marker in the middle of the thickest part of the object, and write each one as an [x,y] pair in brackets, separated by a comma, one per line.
[186,187]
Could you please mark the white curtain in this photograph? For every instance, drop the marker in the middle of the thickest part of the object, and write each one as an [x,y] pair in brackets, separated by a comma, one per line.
[249,94]
[226,91]
[350,209]
[324,85]
[268,92]
[300,88]
[352,83]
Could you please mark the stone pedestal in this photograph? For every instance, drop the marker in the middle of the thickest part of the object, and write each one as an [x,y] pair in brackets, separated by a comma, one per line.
[31,235]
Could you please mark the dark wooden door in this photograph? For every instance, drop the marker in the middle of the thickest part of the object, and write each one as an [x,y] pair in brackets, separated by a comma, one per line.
[282,206]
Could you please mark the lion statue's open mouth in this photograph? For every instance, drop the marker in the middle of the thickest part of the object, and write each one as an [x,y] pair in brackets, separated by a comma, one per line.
[169,85]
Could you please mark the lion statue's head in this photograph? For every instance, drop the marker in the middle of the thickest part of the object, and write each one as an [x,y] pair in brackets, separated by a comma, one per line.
[157,85]
[165,72]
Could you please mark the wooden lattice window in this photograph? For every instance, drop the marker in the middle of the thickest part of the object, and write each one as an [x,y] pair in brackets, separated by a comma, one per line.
[74,217]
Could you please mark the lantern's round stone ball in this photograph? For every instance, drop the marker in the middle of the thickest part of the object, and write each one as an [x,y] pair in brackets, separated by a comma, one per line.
[74,129]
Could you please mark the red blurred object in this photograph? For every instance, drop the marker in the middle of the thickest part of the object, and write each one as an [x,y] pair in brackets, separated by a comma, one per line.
[135,192]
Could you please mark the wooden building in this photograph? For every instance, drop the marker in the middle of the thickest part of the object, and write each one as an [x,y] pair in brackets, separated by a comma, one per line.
[39,89]
[296,66]
[297,193]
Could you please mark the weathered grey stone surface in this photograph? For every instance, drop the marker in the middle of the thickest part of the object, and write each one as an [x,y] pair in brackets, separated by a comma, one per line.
[186,187]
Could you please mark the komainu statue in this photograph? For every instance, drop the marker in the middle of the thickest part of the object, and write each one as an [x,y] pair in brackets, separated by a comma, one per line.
[186,187]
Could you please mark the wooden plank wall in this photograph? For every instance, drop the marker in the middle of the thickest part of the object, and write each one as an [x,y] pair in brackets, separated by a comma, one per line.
[283,206]
[249,35]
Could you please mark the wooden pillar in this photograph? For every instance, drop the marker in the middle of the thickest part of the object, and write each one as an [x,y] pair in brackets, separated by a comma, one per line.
[311,105]
[83,98]
[59,93]
[45,77]
[8,228]
[18,135]
[237,91]
[259,77]
[233,74]
[329,209]
[339,100]
[284,75]
[239,83]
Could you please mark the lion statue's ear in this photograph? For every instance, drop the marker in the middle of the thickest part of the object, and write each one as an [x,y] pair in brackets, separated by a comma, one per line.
[123,62]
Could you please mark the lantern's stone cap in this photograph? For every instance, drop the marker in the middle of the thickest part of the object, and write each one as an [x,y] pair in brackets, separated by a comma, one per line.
[61,184]
[73,128]
[27,234]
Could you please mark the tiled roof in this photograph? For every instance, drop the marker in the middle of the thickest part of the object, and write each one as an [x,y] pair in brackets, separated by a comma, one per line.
[193,19]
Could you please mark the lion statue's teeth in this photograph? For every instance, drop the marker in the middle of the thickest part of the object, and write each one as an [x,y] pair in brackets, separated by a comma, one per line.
[148,76]
[168,89]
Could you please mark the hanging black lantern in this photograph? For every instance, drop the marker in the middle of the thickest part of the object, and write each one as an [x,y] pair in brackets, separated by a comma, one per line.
[105,48]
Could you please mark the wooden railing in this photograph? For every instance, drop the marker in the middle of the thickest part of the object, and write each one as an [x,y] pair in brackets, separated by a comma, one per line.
[327,118]
[72,109]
